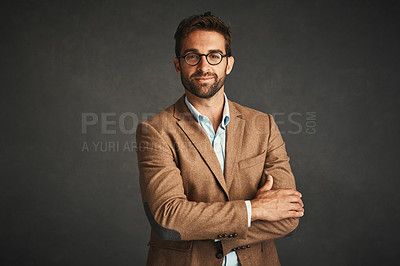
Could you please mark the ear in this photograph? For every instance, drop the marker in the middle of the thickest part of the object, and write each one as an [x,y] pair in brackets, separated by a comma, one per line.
[229,66]
[177,65]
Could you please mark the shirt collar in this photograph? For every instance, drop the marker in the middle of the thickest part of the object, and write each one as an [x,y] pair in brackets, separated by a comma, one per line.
[197,115]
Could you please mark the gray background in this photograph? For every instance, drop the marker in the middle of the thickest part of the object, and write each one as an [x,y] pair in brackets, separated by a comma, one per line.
[64,206]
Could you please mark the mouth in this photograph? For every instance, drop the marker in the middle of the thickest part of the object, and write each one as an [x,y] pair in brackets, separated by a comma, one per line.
[204,79]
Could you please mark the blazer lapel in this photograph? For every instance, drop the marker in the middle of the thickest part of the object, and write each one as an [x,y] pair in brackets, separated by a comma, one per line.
[234,137]
[199,139]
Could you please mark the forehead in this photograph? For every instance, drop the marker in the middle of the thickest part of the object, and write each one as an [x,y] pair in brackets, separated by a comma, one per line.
[204,41]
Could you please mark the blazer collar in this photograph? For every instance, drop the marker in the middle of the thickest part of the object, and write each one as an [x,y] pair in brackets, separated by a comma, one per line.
[234,137]
[200,141]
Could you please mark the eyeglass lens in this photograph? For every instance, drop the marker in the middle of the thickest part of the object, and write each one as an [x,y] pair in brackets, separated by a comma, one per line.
[212,58]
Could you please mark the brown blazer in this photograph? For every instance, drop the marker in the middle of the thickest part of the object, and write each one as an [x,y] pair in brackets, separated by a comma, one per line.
[188,200]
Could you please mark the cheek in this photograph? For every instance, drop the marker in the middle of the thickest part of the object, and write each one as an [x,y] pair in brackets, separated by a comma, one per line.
[185,73]
[188,72]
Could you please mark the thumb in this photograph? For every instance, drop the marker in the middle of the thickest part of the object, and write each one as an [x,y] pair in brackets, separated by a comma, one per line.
[268,184]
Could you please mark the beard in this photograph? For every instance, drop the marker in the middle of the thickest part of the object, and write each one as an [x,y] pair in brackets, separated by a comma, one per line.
[206,90]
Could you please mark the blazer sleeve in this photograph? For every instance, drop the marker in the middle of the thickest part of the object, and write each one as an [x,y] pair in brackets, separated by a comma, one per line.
[171,215]
[277,165]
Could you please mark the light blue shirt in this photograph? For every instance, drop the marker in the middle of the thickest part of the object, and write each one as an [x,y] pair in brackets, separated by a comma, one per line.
[218,141]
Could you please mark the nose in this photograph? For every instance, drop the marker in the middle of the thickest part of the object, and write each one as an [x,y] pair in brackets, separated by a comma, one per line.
[203,65]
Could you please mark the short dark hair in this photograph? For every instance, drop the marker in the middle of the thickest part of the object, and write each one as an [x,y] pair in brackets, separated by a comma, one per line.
[207,21]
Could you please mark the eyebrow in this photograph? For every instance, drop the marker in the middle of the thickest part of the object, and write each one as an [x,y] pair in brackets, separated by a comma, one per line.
[197,51]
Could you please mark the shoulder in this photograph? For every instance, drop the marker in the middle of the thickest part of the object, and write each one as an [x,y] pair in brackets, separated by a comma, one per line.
[164,122]
[250,114]
[161,117]
[156,124]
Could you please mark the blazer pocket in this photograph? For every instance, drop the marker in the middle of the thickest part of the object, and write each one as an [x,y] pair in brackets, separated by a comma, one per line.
[246,163]
[168,244]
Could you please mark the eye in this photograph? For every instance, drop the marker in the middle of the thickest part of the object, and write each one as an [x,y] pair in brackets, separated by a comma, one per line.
[215,56]
[191,56]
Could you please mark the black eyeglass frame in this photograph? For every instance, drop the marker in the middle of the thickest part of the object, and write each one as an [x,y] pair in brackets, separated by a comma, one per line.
[206,55]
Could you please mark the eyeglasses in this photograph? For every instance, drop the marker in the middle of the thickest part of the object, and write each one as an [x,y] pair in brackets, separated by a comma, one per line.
[193,59]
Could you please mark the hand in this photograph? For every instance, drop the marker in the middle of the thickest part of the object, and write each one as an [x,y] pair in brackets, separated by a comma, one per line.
[275,205]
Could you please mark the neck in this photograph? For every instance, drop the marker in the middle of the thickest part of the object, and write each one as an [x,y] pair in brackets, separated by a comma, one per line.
[211,107]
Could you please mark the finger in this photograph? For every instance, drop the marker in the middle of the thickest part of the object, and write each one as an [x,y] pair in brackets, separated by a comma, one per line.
[301,202]
[291,191]
[268,184]
[296,207]
[294,199]
[295,214]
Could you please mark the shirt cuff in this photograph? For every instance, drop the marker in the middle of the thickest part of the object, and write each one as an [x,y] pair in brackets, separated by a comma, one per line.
[248,206]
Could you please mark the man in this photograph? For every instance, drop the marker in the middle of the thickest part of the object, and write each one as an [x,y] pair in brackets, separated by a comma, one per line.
[216,183]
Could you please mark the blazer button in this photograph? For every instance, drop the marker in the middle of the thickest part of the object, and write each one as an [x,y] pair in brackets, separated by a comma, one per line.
[218,255]
[225,236]
[248,246]
[219,236]
[235,235]
[230,236]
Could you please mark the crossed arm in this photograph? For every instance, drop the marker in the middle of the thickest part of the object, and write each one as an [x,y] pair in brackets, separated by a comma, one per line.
[275,209]
[171,215]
